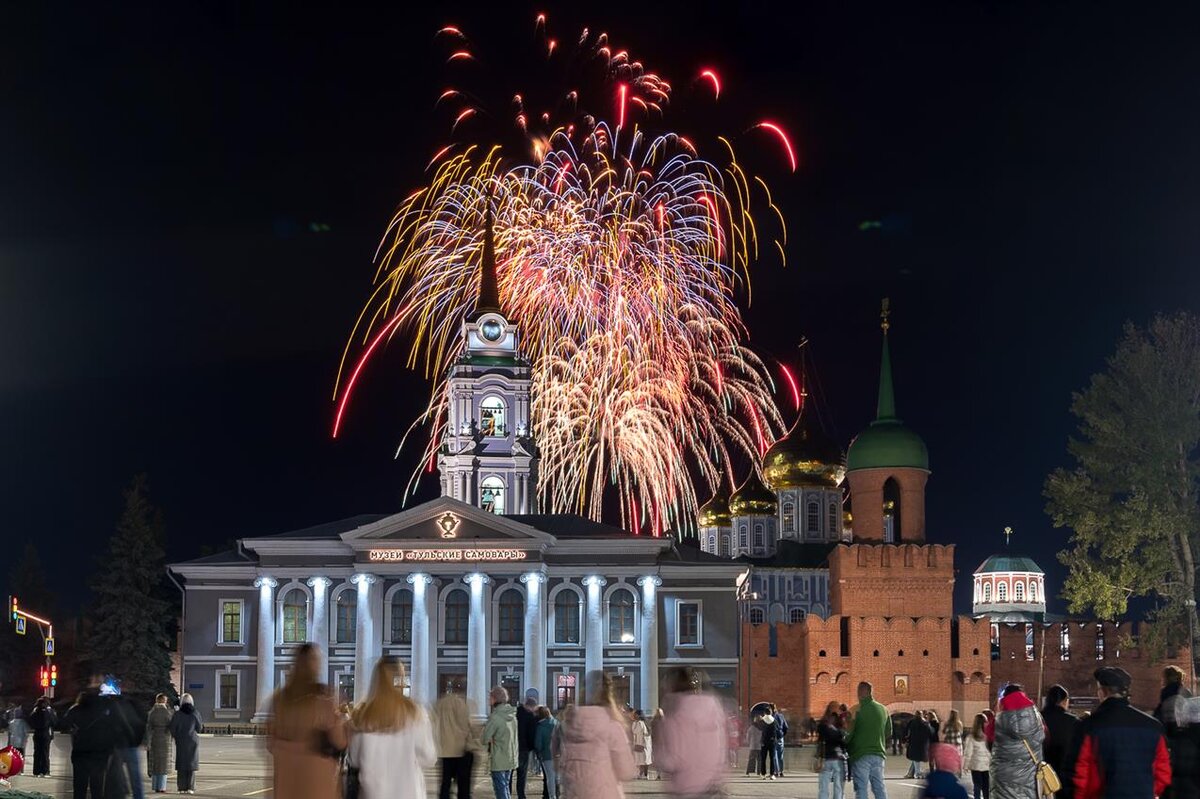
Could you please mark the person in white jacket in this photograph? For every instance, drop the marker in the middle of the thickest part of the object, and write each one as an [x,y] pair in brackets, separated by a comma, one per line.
[391,740]
[976,758]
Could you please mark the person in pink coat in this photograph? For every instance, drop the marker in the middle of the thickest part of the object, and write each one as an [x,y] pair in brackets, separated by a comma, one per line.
[690,749]
[595,753]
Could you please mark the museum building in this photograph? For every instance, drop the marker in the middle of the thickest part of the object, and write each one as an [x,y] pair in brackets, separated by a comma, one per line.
[469,590]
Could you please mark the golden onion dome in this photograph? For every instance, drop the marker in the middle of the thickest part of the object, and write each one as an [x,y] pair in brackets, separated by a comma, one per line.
[715,512]
[804,457]
[753,498]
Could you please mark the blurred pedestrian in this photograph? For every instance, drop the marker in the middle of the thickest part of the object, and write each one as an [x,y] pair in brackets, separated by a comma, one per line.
[1122,752]
[867,744]
[42,722]
[1183,740]
[526,731]
[500,737]
[1018,725]
[917,738]
[953,731]
[543,739]
[186,726]
[453,737]
[754,759]
[977,758]
[690,738]
[18,729]
[655,723]
[595,755]
[642,745]
[945,762]
[831,740]
[1060,733]
[158,743]
[391,739]
[96,724]
[306,734]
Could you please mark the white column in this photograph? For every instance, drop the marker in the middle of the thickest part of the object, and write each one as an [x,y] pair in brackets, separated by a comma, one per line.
[320,621]
[594,644]
[535,625]
[266,647]
[477,646]
[423,689]
[649,638]
[364,632]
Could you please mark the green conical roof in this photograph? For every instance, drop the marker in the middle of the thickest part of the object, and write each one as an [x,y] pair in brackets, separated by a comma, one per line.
[888,442]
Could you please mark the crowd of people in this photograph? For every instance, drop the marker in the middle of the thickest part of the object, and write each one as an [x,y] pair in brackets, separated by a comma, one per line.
[381,748]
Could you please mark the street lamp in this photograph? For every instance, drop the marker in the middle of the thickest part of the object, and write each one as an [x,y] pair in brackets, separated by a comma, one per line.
[1191,614]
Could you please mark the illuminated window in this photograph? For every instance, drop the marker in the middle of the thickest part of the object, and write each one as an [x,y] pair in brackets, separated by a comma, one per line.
[566,618]
[812,518]
[491,495]
[458,609]
[1099,642]
[891,511]
[1064,642]
[796,615]
[1033,591]
[402,610]
[491,417]
[1002,592]
[757,616]
[987,592]
[620,617]
[512,617]
[295,617]
[1019,592]
[347,617]
[712,543]
[564,690]
[832,526]
[231,621]
[789,517]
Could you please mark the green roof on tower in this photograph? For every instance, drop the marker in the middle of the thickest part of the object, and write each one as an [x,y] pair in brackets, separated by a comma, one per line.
[888,442]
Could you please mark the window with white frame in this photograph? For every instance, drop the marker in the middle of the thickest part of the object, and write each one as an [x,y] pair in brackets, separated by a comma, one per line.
[1033,591]
[566,617]
[228,685]
[232,615]
[491,417]
[813,518]
[743,537]
[294,621]
[757,616]
[1019,592]
[987,592]
[789,517]
[712,543]
[457,617]
[689,623]
[402,612]
[796,615]
[347,617]
[760,539]
[1002,592]
[620,617]
[834,509]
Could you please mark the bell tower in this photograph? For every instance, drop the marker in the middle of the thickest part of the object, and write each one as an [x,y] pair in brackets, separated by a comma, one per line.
[487,457]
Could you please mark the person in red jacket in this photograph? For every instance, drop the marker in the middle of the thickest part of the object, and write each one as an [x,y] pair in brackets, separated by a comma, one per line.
[1122,752]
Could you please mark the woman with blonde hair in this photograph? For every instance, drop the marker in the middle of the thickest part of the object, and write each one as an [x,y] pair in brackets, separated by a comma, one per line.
[596,756]
[976,757]
[306,735]
[391,739]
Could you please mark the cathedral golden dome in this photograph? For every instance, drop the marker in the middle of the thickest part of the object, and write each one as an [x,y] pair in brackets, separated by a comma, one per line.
[753,498]
[715,512]
[804,457]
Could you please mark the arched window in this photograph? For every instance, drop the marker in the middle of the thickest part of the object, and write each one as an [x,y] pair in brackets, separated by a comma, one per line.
[458,611]
[1002,591]
[812,519]
[712,543]
[832,525]
[743,537]
[1019,592]
[512,617]
[347,616]
[891,511]
[402,610]
[789,517]
[566,618]
[491,495]
[491,417]
[295,617]
[1033,591]
[1064,642]
[725,553]
[987,592]
[620,617]
[796,615]
[757,616]
[760,540]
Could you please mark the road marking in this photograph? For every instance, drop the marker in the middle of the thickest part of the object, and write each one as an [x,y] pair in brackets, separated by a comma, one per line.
[256,793]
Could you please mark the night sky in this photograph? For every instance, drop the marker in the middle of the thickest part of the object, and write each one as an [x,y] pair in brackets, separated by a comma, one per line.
[165,305]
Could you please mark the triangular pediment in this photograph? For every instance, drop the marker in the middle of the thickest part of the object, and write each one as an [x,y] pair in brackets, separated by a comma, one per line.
[445,521]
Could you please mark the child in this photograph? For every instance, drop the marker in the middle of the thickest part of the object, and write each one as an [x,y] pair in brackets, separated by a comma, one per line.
[942,781]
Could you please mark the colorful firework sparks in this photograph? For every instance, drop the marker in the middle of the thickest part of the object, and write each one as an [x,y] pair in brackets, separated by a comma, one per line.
[619,253]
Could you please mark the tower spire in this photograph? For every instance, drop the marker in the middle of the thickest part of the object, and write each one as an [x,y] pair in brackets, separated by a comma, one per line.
[886,408]
[489,285]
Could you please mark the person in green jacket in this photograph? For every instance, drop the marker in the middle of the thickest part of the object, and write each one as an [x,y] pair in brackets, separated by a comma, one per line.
[500,737]
[870,729]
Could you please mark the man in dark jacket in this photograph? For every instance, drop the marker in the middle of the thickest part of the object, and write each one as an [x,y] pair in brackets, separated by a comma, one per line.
[96,724]
[1183,742]
[527,722]
[1122,752]
[918,735]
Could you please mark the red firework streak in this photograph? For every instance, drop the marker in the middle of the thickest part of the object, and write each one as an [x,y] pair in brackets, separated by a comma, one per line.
[362,361]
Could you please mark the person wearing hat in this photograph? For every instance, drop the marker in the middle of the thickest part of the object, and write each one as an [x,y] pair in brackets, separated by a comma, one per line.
[1018,732]
[1122,752]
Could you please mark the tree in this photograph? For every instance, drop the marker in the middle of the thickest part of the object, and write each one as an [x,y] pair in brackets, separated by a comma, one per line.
[130,618]
[20,656]
[1131,499]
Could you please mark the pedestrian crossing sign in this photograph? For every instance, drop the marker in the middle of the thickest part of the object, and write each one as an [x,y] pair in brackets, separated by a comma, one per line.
[20,625]
[49,647]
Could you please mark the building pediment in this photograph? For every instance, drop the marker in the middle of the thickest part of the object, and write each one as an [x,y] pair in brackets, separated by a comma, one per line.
[446,522]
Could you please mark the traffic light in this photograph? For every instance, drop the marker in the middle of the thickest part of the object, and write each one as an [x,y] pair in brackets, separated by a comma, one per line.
[12,607]
[43,677]
[54,674]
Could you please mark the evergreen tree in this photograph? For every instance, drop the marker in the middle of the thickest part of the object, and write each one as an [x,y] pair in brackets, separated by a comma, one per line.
[1132,499]
[130,618]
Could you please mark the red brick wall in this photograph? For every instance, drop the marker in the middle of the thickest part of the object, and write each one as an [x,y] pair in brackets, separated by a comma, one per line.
[1075,673]
[892,580]
[866,502]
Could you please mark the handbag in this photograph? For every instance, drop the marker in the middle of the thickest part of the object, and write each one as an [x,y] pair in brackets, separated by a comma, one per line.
[1048,782]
